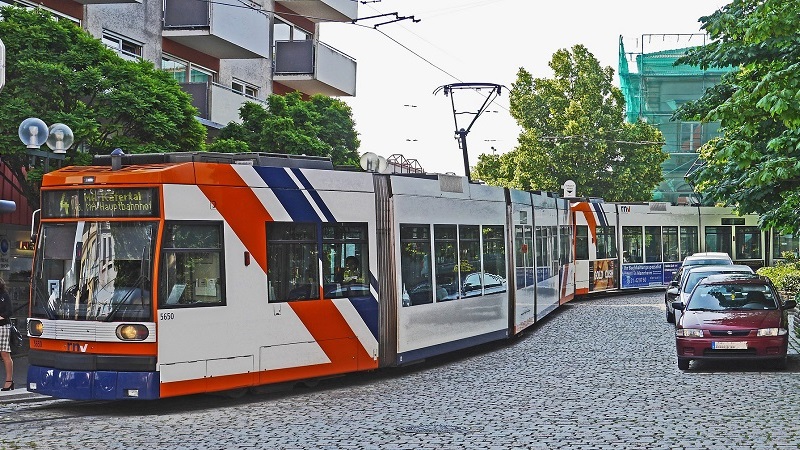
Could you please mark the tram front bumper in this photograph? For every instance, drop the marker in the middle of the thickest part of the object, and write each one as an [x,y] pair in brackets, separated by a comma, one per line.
[93,385]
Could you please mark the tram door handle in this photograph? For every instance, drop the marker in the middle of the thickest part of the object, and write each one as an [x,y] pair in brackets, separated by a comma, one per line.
[276,309]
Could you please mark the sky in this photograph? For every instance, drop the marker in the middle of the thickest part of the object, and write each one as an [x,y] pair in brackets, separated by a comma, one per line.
[400,65]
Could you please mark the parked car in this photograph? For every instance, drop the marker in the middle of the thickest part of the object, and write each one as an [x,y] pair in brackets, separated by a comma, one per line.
[691,276]
[733,316]
[695,259]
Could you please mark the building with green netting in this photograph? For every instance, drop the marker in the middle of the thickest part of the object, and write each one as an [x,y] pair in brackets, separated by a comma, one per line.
[654,87]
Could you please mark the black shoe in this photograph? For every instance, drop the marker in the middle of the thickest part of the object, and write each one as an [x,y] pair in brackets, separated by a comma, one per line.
[10,388]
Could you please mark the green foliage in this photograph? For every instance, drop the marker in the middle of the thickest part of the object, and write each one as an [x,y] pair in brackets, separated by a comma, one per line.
[319,126]
[785,275]
[755,164]
[58,72]
[574,128]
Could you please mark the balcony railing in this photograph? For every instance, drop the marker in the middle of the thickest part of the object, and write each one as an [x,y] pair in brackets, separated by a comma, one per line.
[220,29]
[312,67]
[217,103]
[323,10]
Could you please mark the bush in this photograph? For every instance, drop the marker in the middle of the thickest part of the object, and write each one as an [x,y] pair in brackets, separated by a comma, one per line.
[785,275]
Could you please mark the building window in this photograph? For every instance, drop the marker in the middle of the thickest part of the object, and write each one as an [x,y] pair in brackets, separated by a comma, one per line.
[244,88]
[185,71]
[127,48]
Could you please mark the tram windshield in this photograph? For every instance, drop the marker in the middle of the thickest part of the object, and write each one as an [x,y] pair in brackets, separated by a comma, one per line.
[94,270]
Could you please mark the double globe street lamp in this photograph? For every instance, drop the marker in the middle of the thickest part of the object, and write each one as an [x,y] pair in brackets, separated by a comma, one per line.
[33,132]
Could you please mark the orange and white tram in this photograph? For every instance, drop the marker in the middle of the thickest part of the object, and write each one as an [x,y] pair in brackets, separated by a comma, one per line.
[185,273]
[173,274]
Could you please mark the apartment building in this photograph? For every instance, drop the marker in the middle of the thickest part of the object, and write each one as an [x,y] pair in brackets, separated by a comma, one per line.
[222,52]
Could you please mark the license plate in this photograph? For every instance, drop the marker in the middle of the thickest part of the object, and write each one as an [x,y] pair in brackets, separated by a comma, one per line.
[742,345]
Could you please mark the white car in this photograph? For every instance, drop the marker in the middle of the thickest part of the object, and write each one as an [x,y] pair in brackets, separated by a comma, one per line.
[693,275]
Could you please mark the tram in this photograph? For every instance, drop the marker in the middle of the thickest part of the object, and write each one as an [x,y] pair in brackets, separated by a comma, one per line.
[172,274]
[184,273]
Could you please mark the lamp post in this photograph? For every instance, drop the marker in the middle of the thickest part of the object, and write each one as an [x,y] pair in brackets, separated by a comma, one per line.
[33,132]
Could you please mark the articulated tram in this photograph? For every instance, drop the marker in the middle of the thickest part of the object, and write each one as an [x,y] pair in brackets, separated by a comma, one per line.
[174,274]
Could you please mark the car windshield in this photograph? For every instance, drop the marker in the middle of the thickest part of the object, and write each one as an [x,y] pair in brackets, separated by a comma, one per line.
[93,270]
[734,296]
[695,277]
[707,262]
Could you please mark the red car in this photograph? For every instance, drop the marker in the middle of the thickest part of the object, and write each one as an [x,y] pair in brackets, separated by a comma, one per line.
[733,317]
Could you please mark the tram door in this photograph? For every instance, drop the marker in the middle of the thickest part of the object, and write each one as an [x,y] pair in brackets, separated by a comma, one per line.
[719,239]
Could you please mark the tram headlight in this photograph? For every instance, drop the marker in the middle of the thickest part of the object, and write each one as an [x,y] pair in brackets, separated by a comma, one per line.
[35,328]
[132,332]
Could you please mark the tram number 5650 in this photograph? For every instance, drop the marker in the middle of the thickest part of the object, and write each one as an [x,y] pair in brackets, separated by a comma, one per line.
[166,316]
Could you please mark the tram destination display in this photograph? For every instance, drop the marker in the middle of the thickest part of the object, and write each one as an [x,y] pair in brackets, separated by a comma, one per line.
[100,202]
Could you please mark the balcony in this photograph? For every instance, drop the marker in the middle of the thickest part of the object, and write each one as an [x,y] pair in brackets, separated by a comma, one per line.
[216,103]
[327,10]
[219,29]
[312,67]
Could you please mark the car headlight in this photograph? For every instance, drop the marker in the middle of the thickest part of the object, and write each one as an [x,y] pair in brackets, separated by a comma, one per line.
[689,332]
[772,332]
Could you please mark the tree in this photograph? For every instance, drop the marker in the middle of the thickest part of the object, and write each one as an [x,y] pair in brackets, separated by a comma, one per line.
[573,128]
[319,126]
[58,72]
[755,165]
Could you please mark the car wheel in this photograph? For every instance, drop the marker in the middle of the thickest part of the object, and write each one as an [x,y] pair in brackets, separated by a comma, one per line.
[670,317]
[683,363]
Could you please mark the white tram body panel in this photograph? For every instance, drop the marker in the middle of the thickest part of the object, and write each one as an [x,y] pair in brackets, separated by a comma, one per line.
[447,304]
[654,238]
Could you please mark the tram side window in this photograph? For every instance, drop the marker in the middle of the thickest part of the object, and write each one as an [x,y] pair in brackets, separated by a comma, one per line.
[582,242]
[523,245]
[192,265]
[652,244]
[292,265]
[632,244]
[469,247]
[415,264]
[718,239]
[782,243]
[669,236]
[345,263]
[445,238]
[690,241]
[541,246]
[606,242]
[565,250]
[494,259]
[748,243]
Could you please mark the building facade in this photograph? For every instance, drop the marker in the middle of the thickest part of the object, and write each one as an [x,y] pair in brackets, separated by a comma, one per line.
[223,53]
[654,88]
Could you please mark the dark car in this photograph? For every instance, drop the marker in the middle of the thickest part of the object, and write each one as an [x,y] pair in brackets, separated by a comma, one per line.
[733,317]
[695,259]
[691,276]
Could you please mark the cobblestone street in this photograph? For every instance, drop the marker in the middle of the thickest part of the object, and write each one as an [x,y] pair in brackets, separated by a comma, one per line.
[597,374]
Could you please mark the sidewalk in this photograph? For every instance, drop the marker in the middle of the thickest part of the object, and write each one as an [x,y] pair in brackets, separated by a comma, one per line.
[20,391]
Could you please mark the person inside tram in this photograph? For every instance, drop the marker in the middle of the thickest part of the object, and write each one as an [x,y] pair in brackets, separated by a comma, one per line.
[351,272]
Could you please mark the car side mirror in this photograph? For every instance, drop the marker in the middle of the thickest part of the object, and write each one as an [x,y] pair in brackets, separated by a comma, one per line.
[673,284]
[672,291]
[678,306]
[789,304]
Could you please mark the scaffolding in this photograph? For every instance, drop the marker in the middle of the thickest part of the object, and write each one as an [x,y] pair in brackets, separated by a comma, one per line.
[654,87]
